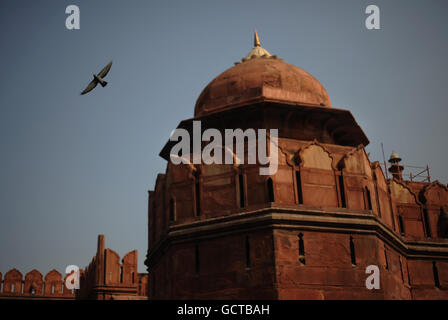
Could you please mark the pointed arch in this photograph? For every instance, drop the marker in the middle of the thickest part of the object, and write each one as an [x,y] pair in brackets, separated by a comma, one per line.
[317,177]
[402,193]
[33,283]
[314,155]
[408,209]
[435,194]
[53,283]
[12,282]
[356,161]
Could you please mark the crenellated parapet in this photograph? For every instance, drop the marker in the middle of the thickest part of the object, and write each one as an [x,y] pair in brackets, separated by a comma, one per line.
[34,286]
[108,277]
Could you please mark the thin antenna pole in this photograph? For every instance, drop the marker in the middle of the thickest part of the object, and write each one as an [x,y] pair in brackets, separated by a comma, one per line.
[384,161]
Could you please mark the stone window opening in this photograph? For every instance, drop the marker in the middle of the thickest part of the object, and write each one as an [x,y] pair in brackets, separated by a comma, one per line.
[121,274]
[401,225]
[368,198]
[13,287]
[385,259]
[301,249]
[248,262]
[270,186]
[342,191]
[299,187]
[133,277]
[52,289]
[241,189]
[436,275]
[352,252]
[426,222]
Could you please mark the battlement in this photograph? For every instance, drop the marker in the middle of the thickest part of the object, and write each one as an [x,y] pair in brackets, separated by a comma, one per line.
[34,286]
[104,278]
[108,278]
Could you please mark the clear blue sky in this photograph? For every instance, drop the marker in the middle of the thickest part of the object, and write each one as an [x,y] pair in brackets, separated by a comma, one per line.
[74,166]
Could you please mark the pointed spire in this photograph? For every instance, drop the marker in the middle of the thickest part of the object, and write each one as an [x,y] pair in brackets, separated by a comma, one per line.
[257,51]
[256,39]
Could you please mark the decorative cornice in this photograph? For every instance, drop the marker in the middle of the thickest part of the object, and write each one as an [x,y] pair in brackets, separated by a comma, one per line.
[303,218]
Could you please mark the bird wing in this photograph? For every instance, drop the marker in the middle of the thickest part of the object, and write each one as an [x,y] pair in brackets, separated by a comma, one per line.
[105,70]
[90,87]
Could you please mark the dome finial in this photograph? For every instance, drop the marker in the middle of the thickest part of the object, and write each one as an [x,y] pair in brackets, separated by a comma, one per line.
[256,39]
[257,51]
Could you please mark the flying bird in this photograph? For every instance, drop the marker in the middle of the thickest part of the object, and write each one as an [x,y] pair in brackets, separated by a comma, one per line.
[98,79]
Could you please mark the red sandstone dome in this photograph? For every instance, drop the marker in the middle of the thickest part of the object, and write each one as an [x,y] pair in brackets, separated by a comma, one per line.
[261,77]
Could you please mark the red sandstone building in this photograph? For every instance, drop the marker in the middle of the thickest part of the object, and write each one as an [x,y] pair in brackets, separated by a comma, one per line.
[34,286]
[310,230]
[306,232]
[105,278]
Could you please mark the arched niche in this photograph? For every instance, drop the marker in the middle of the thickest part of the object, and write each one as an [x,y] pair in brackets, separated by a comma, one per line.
[357,176]
[435,198]
[356,162]
[53,283]
[218,187]
[408,209]
[401,193]
[435,194]
[315,156]
[33,283]
[12,282]
[317,176]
